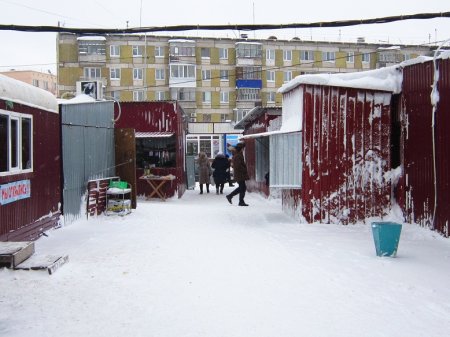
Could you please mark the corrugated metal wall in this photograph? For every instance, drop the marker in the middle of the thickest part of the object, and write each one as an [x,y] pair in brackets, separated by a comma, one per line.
[417,189]
[88,150]
[26,219]
[346,154]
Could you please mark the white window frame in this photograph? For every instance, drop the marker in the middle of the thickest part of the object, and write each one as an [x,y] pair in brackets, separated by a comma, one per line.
[270,54]
[287,76]
[271,96]
[365,57]
[206,75]
[159,51]
[206,97]
[89,71]
[138,95]
[138,74]
[270,75]
[224,97]
[287,55]
[18,168]
[114,74]
[137,51]
[306,55]
[160,95]
[160,74]
[224,76]
[329,56]
[114,50]
[223,53]
[350,57]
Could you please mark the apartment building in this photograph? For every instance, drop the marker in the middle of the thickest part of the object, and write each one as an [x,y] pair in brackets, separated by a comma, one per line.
[46,81]
[214,79]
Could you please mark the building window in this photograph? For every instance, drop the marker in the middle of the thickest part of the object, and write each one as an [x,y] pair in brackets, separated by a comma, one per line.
[287,76]
[92,73]
[182,51]
[45,85]
[270,75]
[137,74]
[182,71]
[306,55]
[223,117]
[114,73]
[270,54]
[138,95]
[160,95]
[224,97]
[185,94]
[271,97]
[205,53]
[206,96]
[91,47]
[36,82]
[365,58]
[248,73]
[159,51]
[115,95]
[16,143]
[206,75]
[248,50]
[224,75]
[114,51]
[137,51]
[223,53]
[328,56]
[351,57]
[287,55]
[160,74]
[248,94]
[206,118]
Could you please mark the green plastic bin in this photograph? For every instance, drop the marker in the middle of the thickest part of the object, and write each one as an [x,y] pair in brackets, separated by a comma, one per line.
[118,184]
[386,236]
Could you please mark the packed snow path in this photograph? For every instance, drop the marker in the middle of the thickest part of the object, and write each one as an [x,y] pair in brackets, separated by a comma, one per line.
[198,266]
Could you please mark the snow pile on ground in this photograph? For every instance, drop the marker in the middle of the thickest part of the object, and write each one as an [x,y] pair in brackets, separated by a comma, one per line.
[198,266]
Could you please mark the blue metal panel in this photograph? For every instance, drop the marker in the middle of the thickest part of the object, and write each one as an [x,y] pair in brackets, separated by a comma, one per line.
[253,84]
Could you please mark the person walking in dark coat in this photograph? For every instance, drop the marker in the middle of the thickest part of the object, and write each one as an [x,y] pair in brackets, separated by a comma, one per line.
[220,165]
[240,175]
[204,171]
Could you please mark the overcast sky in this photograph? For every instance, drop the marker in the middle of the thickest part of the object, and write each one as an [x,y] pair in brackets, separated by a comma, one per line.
[38,50]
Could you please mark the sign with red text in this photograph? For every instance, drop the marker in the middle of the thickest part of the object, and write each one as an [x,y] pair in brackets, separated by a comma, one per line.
[15,191]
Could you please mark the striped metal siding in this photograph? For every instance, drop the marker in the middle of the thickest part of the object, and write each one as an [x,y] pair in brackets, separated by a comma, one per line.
[26,219]
[346,137]
[418,184]
[88,150]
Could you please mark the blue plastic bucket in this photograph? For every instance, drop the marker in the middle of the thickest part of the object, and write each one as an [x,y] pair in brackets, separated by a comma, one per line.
[386,236]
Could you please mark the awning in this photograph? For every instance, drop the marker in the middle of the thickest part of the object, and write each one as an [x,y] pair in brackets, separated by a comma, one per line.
[153,134]
[266,134]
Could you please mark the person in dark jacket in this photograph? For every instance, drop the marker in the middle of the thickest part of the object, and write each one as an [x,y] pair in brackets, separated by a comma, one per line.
[204,171]
[240,175]
[220,165]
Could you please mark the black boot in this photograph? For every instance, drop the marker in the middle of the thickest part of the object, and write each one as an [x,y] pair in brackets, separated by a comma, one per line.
[201,188]
[207,188]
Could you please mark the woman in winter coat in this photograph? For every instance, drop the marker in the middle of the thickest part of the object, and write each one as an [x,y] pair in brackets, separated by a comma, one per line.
[204,171]
[240,174]
[221,166]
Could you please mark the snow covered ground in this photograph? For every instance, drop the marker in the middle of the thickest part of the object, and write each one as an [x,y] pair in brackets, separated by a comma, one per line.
[198,266]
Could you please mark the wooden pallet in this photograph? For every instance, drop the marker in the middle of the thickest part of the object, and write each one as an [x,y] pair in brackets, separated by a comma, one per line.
[14,253]
[51,263]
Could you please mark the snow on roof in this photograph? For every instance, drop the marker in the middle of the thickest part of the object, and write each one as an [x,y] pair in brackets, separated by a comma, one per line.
[83,98]
[181,41]
[445,54]
[91,38]
[27,94]
[385,79]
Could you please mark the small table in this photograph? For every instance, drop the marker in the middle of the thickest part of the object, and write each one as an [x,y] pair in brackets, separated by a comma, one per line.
[156,183]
